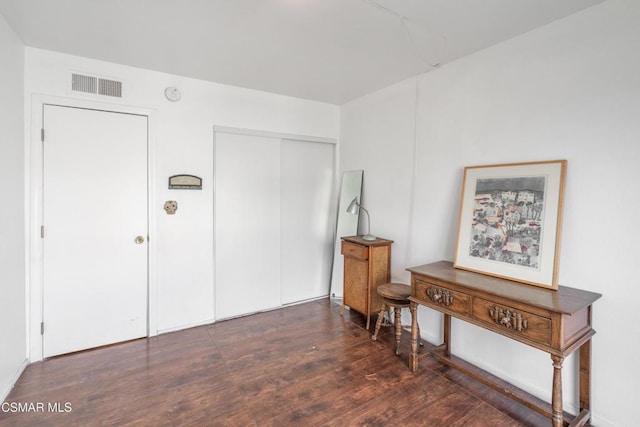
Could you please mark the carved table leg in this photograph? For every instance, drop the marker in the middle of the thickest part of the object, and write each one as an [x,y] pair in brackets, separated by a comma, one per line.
[556,399]
[447,334]
[413,357]
[585,377]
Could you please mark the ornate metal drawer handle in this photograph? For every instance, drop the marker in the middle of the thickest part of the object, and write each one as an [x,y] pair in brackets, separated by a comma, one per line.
[440,296]
[508,319]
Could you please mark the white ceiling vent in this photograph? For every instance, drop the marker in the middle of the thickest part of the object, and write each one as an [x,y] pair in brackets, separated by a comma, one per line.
[96,85]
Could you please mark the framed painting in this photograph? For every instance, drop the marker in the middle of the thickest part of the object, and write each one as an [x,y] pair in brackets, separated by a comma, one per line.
[510,221]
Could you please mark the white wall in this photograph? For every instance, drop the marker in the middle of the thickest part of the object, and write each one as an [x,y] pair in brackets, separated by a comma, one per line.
[569,90]
[13,346]
[379,134]
[183,143]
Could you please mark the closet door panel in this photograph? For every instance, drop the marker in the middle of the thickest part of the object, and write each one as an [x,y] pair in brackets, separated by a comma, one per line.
[247,224]
[307,219]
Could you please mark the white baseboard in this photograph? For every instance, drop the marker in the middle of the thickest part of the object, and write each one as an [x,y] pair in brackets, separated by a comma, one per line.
[14,380]
[185,326]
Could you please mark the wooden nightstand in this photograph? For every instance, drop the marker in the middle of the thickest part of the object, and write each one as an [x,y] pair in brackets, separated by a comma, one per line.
[367,265]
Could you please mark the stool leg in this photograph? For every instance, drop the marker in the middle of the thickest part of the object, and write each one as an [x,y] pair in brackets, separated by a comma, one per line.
[387,318]
[398,324]
[379,322]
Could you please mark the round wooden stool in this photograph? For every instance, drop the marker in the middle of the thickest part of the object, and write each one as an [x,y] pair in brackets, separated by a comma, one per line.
[396,296]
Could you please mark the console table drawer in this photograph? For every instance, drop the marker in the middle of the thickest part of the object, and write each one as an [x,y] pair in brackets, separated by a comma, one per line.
[355,251]
[434,294]
[529,326]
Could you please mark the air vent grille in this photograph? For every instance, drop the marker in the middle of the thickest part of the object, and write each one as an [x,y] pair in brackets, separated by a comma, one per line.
[96,85]
[80,83]
[110,88]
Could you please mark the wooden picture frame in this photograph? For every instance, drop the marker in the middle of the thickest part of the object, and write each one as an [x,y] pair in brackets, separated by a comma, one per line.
[511,220]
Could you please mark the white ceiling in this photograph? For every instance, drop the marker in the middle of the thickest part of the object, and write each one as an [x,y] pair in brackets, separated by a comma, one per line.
[326,50]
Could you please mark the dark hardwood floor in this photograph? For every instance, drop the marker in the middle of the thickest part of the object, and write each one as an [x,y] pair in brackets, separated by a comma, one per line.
[303,365]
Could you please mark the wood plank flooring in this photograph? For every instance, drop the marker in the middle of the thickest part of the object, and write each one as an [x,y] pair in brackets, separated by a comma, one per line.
[302,365]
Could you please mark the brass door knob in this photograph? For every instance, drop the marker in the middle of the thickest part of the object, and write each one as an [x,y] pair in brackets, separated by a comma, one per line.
[139,240]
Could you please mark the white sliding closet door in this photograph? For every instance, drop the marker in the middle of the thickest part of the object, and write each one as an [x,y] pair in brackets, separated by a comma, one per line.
[308,221]
[273,221]
[247,224]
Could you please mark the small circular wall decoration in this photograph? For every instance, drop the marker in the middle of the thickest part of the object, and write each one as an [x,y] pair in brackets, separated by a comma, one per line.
[172,94]
[170,207]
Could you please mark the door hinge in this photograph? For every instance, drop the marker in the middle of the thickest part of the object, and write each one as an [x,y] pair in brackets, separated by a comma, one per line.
[42,231]
[42,134]
[41,328]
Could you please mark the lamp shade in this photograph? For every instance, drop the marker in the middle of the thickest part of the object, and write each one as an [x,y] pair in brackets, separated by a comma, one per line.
[353,208]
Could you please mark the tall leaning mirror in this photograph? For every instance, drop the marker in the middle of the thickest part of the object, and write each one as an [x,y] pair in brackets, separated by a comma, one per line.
[346,224]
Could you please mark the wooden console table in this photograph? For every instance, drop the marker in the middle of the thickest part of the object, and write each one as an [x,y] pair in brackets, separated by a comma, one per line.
[557,322]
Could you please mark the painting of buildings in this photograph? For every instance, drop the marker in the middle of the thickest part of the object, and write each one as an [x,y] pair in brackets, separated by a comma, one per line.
[508,220]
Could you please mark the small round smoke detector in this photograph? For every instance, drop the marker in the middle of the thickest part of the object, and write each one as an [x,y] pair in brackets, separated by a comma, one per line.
[172,94]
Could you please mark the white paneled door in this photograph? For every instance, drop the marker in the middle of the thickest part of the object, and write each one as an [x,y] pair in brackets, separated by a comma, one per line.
[95,253]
